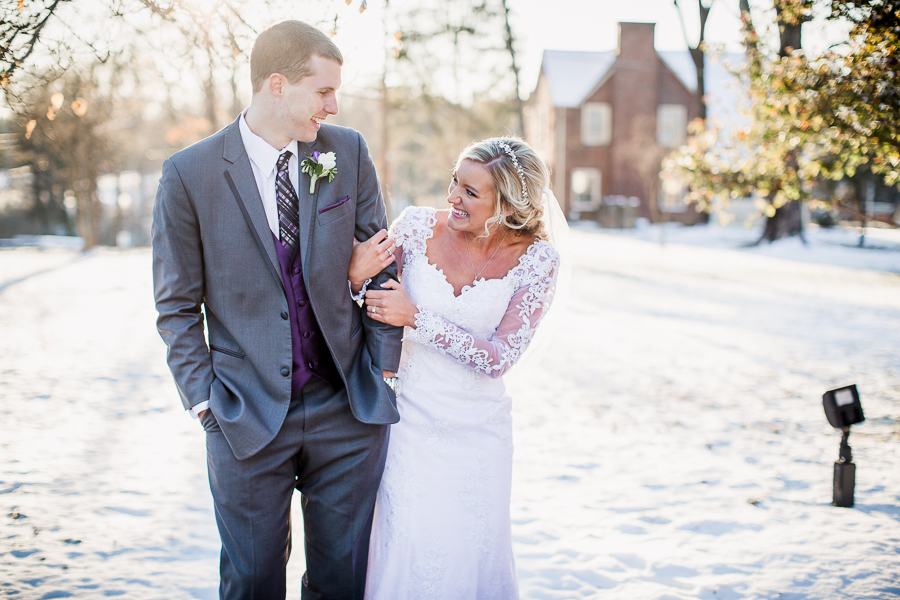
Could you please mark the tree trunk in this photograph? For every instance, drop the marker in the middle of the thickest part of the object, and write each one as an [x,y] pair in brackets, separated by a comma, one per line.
[790,34]
[786,222]
[383,167]
[747,31]
[89,215]
[698,52]
[520,107]
[89,210]
[211,102]
[697,56]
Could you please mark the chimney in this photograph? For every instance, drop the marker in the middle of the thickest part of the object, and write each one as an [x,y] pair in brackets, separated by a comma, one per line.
[636,41]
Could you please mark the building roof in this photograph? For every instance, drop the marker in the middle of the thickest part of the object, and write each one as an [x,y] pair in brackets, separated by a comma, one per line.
[682,65]
[573,75]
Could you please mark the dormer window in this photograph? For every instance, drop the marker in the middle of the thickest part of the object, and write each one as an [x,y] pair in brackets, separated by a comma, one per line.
[596,124]
[671,125]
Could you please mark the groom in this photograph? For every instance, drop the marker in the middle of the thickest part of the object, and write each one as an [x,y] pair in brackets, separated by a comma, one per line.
[289,385]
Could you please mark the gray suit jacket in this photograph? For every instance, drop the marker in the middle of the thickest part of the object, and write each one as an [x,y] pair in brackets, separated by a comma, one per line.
[213,250]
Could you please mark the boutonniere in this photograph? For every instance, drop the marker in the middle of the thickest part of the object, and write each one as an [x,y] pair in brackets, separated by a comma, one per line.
[317,166]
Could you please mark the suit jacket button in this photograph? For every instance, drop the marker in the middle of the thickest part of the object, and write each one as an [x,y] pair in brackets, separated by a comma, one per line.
[285,315]
[306,334]
[285,372]
[296,270]
[313,365]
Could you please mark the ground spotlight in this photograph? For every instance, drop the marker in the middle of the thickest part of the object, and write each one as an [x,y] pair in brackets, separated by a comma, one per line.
[843,409]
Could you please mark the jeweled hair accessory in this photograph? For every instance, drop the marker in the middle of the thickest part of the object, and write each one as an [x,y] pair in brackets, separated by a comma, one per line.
[506,148]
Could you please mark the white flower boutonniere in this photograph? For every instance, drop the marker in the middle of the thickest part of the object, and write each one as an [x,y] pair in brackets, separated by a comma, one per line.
[318,165]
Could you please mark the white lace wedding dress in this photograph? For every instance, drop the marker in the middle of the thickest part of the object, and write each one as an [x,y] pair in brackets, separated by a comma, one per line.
[442,528]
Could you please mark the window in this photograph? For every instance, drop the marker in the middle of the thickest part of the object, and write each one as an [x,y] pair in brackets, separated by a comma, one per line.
[671,125]
[585,190]
[596,124]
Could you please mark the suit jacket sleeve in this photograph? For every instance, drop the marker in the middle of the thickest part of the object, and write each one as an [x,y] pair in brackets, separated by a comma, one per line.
[178,286]
[383,340]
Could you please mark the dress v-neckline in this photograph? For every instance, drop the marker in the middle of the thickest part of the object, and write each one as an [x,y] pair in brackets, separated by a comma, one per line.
[467,287]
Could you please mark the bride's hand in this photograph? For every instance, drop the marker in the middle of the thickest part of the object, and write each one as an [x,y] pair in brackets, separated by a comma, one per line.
[369,258]
[391,305]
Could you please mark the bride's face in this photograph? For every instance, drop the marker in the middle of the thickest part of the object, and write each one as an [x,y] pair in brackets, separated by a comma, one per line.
[471,197]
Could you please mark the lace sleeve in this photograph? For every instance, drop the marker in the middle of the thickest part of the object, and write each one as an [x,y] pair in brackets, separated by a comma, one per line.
[413,227]
[498,354]
[411,230]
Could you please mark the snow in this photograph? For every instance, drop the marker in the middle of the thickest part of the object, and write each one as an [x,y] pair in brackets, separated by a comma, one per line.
[837,246]
[673,445]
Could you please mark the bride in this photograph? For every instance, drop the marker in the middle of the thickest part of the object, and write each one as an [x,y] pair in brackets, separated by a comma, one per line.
[476,280]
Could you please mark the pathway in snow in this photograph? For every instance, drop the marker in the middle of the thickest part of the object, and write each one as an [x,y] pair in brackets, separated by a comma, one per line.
[673,447]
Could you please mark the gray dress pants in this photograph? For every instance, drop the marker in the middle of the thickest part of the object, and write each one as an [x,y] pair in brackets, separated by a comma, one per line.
[336,462]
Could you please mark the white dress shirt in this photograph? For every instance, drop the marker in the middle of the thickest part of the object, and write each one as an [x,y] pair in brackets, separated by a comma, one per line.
[263,159]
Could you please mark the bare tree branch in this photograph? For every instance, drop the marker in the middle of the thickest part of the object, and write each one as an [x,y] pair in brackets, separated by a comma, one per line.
[863,217]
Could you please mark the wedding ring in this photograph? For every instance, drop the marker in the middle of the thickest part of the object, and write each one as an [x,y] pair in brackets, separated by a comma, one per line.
[391,252]
[374,310]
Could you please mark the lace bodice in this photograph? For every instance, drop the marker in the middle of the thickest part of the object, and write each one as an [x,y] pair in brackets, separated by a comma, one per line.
[489,325]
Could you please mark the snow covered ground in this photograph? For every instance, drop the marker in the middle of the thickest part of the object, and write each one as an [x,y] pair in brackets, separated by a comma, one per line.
[674,446]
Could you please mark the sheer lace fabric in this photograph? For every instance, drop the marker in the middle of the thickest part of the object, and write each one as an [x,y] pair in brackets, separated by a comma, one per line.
[441,527]
[493,353]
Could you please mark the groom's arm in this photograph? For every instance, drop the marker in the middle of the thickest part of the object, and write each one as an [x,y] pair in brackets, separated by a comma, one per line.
[383,340]
[178,284]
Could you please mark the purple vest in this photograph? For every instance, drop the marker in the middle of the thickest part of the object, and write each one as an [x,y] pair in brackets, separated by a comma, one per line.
[310,354]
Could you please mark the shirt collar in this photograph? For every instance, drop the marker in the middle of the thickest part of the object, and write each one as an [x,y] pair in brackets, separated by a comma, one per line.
[263,154]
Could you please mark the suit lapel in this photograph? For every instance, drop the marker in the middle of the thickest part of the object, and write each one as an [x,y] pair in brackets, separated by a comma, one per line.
[243,185]
[308,202]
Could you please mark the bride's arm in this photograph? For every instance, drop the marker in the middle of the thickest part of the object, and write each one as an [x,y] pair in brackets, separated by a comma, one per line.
[498,354]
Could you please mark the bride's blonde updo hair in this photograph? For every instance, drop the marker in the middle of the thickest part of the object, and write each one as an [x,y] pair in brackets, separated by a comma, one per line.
[519,181]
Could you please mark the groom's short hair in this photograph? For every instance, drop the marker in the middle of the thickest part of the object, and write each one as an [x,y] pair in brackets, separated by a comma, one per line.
[286,48]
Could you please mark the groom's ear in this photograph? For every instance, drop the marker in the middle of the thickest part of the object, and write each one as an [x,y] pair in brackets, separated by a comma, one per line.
[276,83]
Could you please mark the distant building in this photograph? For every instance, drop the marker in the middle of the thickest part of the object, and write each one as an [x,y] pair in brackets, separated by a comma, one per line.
[605,120]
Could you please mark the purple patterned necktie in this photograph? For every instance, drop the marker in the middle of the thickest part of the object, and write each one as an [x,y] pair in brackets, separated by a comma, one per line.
[288,205]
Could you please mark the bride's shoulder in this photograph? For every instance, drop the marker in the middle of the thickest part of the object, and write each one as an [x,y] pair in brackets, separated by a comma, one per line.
[415,222]
[543,249]
[540,260]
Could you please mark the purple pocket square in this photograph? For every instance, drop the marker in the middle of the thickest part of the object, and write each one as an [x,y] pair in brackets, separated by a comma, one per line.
[335,205]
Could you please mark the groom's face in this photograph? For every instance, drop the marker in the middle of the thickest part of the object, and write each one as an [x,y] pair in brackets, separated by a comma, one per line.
[307,103]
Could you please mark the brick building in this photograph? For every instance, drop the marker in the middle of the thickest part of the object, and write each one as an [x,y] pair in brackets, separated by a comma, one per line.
[605,120]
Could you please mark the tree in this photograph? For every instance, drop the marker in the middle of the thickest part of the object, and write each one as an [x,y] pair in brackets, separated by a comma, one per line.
[849,100]
[811,117]
[786,220]
[50,60]
[698,52]
[21,26]
[510,47]
[454,61]
[87,122]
